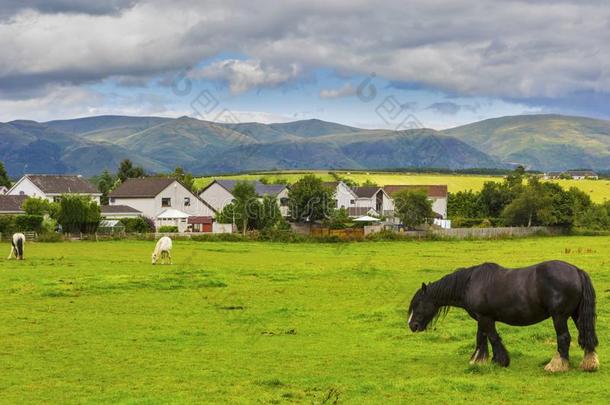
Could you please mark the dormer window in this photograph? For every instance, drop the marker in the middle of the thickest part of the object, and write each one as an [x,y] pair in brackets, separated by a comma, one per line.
[166,202]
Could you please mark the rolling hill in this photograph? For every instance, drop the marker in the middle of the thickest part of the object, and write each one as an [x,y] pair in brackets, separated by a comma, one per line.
[92,144]
[543,142]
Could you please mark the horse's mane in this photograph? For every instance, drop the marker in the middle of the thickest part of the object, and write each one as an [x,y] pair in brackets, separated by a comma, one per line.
[450,289]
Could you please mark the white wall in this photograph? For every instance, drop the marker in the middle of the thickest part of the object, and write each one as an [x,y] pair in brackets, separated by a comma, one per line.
[344,196]
[26,187]
[151,207]
[217,196]
[283,210]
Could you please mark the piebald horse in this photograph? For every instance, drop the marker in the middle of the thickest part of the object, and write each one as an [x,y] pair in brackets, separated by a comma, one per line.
[490,293]
[163,250]
[17,246]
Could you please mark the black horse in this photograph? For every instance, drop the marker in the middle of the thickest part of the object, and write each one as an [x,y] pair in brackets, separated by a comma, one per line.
[520,297]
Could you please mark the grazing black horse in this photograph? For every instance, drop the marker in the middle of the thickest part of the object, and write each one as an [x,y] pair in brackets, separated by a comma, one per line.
[491,293]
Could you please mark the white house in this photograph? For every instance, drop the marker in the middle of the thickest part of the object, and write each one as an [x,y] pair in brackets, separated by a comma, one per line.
[51,187]
[219,193]
[344,196]
[573,174]
[165,200]
[371,200]
[436,193]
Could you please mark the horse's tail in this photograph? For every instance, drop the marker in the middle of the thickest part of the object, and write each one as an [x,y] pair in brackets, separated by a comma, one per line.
[19,248]
[587,339]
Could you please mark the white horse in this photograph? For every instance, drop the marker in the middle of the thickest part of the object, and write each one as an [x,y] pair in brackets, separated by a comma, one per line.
[17,246]
[162,250]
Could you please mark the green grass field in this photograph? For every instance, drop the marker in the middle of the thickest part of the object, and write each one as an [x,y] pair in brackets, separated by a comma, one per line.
[87,322]
[599,190]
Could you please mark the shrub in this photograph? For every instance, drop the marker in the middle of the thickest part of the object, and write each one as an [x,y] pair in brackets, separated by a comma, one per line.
[31,223]
[50,237]
[7,225]
[137,225]
[168,229]
[78,214]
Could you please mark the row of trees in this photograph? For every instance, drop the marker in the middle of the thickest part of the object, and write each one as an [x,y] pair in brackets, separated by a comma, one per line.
[526,201]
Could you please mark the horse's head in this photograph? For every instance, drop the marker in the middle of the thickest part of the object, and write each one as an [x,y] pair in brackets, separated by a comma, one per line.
[154,258]
[422,310]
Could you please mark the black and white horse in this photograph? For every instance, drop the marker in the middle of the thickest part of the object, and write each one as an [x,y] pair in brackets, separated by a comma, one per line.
[520,297]
[17,246]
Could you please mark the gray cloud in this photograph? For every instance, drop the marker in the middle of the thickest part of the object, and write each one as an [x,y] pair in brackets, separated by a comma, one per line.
[9,8]
[509,49]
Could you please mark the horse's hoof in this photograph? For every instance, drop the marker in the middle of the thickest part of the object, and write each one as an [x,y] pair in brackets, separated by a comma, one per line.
[590,362]
[557,364]
[478,358]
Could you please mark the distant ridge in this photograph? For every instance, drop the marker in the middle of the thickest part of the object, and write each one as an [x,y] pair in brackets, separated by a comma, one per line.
[91,144]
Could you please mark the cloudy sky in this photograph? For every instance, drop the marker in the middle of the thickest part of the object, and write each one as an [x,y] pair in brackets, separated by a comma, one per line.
[371,64]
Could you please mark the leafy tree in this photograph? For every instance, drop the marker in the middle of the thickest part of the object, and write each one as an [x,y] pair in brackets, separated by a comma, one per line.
[4,179]
[128,171]
[185,178]
[596,217]
[310,200]
[40,206]
[339,219]
[495,197]
[245,209]
[270,216]
[533,206]
[105,184]
[412,207]
[78,214]
[465,204]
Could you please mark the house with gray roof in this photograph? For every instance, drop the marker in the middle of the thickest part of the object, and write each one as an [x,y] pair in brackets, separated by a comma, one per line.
[219,193]
[51,187]
[11,204]
[167,201]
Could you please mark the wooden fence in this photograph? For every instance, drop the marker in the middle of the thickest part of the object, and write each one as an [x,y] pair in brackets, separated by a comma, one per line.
[347,234]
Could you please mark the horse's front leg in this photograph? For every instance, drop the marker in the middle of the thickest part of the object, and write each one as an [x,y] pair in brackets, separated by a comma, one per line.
[561,361]
[500,354]
[481,353]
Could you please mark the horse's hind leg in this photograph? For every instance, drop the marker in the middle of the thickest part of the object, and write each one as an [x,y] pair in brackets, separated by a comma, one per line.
[561,361]
[481,353]
[500,355]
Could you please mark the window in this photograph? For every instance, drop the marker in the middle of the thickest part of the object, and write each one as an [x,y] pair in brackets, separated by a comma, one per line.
[112,200]
[166,202]
[352,201]
[187,201]
[183,220]
[284,201]
[56,199]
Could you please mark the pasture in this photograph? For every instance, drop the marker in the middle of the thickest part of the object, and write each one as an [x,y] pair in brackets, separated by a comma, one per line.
[599,190]
[87,322]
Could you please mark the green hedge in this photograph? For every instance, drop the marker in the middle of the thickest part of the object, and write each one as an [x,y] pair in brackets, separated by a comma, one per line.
[168,229]
[137,225]
[29,223]
[9,224]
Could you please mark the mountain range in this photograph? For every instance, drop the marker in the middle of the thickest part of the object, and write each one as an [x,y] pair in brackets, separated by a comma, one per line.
[92,144]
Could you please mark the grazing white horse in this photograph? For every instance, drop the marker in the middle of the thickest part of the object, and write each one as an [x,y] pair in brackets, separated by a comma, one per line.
[162,250]
[17,246]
